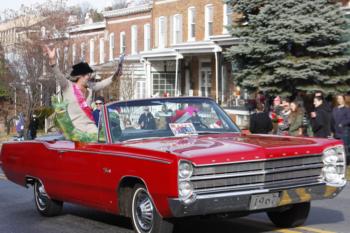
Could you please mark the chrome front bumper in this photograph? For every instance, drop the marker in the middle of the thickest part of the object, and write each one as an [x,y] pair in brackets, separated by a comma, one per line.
[240,201]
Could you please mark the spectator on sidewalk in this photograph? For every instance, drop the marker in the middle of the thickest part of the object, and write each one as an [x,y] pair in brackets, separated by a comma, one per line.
[341,120]
[283,125]
[260,122]
[295,120]
[320,119]
[20,126]
[33,127]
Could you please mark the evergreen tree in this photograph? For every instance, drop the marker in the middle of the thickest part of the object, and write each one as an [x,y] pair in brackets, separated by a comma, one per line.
[291,45]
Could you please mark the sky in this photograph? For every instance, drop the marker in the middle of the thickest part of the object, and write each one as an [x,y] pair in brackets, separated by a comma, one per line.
[15,4]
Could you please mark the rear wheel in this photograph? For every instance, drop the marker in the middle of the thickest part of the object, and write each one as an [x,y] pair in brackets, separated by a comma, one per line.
[294,216]
[44,204]
[145,218]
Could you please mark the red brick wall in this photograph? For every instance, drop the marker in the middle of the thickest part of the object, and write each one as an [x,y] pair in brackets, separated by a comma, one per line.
[125,26]
[85,38]
[181,7]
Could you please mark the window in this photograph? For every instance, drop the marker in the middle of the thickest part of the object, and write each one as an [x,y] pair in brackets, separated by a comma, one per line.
[82,52]
[92,52]
[162,32]
[140,89]
[111,46]
[177,29]
[227,22]
[133,39]
[163,83]
[44,67]
[58,56]
[65,58]
[43,32]
[74,53]
[102,51]
[209,10]
[147,37]
[122,43]
[191,24]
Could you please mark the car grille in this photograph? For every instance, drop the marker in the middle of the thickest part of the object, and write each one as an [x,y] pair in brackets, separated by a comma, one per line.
[242,176]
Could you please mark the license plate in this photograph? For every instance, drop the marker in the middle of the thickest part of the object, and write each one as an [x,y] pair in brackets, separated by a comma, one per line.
[264,201]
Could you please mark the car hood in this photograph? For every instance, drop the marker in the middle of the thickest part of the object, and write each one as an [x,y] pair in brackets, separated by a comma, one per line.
[223,148]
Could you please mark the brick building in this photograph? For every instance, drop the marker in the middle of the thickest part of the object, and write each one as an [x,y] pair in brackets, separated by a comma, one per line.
[170,47]
[129,33]
[189,38]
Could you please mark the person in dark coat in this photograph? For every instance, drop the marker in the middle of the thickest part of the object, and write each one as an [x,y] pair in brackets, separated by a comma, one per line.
[33,127]
[320,119]
[146,120]
[260,122]
[341,120]
[99,101]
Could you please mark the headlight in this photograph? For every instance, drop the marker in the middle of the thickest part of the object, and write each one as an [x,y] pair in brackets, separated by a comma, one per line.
[186,189]
[333,172]
[186,192]
[185,170]
[334,155]
[332,175]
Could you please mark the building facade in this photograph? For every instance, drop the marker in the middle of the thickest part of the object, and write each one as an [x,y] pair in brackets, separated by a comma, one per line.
[187,55]
[172,48]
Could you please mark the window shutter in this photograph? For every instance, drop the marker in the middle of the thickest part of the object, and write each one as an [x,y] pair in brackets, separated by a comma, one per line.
[172,20]
[181,26]
[166,32]
[156,33]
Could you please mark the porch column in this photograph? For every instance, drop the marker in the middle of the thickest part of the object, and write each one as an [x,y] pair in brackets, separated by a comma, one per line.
[177,58]
[217,50]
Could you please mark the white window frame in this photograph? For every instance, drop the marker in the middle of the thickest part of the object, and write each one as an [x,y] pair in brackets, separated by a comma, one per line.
[111,46]
[44,67]
[134,39]
[191,15]
[122,37]
[161,32]
[74,53]
[82,51]
[140,89]
[177,29]
[65,58]
[92,52]
[227,20]
[43,32]
[102,50]
[208,20]
[58,56]
[147,37]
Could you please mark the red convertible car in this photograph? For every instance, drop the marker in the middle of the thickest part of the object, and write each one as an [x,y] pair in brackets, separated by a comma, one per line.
[165,158]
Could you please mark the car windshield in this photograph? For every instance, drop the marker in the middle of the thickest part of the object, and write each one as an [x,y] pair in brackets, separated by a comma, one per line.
[167,117]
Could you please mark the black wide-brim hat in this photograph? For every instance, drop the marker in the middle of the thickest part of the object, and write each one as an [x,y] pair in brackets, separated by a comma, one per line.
[81,68]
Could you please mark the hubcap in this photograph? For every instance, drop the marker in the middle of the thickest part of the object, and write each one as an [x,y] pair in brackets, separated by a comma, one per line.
[143,210]
[41,196]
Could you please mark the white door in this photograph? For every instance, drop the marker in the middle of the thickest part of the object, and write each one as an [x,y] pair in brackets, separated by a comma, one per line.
[205,81]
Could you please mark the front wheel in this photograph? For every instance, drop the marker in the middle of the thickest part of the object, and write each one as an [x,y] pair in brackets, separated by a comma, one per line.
[294,216]
[44,204]
[145,218]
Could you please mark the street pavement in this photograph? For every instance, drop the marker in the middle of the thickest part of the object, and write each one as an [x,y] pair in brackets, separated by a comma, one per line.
[18,215]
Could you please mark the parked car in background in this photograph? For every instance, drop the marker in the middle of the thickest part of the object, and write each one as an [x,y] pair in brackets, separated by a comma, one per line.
[196,162]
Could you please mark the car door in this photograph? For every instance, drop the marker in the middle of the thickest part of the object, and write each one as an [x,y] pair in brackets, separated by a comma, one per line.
[79,174]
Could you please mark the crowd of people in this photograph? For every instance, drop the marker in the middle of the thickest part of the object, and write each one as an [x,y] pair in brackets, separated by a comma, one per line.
[325,118]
